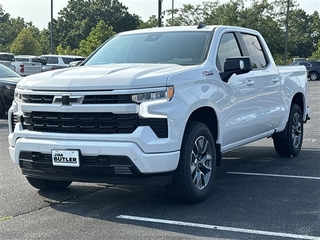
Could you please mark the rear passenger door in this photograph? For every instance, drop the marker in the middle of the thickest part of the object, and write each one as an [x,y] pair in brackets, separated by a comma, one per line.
[267,82]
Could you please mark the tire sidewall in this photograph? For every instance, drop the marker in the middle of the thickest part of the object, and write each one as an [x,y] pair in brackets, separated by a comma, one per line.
[295,109]
[196,130]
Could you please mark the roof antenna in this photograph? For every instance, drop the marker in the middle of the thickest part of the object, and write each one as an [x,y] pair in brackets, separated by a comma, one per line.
[201,25]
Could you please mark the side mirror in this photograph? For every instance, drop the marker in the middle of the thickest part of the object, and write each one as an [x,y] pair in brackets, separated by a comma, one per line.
[235,65]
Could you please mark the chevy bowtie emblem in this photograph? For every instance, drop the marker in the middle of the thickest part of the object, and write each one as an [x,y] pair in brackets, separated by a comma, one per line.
[67,99]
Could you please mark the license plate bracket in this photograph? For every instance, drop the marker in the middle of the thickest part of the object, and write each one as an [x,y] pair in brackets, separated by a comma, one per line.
[65,158]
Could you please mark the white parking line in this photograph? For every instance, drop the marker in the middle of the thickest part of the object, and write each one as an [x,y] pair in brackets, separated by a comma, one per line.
[274,175]
[221,228]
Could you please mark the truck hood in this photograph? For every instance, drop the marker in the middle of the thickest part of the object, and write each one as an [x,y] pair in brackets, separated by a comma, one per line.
[103,77]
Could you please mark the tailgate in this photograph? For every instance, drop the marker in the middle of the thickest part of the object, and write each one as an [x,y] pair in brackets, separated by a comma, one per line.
[29,68]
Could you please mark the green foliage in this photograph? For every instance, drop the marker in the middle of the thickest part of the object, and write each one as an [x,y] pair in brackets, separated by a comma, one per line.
[84,24]
[97,36]
[25,43]
[66,51]
[77,19]
[152,22]
[316,54]
[45,41]
[9,30]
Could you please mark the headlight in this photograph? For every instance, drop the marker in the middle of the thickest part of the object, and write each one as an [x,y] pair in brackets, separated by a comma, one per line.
[150,96]
[17,97]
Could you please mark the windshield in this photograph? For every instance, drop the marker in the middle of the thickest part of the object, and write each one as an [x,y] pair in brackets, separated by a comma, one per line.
[184,48]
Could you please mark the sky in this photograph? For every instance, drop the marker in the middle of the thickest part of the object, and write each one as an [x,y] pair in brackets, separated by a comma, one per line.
[39,11]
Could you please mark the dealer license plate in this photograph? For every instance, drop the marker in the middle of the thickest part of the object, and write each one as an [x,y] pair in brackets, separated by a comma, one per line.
[66,158]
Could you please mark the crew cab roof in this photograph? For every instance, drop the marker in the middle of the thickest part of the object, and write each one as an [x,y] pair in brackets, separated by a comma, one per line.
[194,28]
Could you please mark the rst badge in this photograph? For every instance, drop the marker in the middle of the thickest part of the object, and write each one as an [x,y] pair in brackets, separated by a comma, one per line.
[66,158]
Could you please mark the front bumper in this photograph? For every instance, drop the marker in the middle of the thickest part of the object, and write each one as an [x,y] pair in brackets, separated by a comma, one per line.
[99,161]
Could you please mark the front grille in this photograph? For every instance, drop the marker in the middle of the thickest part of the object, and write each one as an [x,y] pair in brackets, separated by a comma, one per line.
[91,123]
[80,122]
[14,120]
[107,99]
[88,99]
[37,98]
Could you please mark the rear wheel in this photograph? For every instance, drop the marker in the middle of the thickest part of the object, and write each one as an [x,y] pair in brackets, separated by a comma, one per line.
[48,185]
[192,181]
[291,144]
[313,76]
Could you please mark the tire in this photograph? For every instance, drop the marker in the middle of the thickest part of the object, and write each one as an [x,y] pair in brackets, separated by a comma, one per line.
[313,76]
[193,179]
[291,145]
[2,109]
[48,185]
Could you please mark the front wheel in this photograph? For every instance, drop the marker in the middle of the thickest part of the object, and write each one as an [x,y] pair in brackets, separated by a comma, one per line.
[291,144]
[193,179]
[48,185]
[313,76]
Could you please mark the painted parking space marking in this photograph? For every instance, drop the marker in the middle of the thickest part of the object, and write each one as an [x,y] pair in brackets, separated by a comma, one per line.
[274,175]
[221,228]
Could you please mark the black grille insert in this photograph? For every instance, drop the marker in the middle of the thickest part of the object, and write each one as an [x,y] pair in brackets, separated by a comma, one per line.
[91,123]
[80,122]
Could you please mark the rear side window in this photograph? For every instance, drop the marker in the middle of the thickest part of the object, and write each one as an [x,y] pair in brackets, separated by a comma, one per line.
[36,60]
[22,59]
[67,60]
[305,64]
[51,60]
[255,50]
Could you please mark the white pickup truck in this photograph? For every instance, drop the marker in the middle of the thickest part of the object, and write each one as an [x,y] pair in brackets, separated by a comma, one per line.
[157,106]
[26,65]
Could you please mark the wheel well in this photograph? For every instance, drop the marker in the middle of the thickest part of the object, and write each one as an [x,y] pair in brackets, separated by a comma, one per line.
[299,100]
[208,116]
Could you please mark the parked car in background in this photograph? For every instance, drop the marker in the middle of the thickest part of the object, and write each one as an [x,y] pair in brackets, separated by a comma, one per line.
[59,61]
[6,59]
[27,64]
[313,68]
[4,56]
[75,63]
[296,60]
[8,81]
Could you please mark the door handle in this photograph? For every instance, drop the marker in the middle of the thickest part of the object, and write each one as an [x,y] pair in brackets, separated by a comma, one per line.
[250,82]
[275,80]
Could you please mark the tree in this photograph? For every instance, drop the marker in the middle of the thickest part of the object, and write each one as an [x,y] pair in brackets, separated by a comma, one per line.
[25,43]
[4,17]
[316,54]
[97,36]
[77,19]
[152,22]
[45,41]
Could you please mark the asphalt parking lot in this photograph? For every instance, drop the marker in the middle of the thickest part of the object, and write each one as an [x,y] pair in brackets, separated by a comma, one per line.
[258,195]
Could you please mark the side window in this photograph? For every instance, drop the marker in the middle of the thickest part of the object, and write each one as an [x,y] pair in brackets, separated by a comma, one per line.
[52,60]
[228,47]
[305,64]
[255,50]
